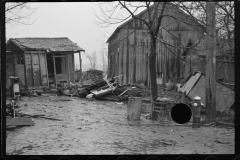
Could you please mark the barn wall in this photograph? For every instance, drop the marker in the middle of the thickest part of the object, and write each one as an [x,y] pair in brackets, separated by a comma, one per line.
[132,59]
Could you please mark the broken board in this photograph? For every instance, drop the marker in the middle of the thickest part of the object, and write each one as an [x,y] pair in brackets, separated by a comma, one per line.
[19,121]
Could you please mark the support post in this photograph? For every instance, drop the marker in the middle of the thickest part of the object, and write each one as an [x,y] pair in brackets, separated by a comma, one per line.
[68,69]
[73,68]
[80,63]
[54,67]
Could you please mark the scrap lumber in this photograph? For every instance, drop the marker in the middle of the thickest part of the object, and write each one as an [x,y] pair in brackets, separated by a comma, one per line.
[19,121]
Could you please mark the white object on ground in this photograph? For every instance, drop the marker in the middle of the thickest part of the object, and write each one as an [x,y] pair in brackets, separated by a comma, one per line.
[89,96]
[119,102]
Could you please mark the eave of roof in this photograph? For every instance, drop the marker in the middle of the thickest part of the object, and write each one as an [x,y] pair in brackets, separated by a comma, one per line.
[138,16]
[56,44]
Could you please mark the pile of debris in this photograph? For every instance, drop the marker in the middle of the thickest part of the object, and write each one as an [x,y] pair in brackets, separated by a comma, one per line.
[110,89]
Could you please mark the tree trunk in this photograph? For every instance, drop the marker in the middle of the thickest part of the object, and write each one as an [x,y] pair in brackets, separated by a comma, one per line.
[152,68]
[211,63]
[225,68]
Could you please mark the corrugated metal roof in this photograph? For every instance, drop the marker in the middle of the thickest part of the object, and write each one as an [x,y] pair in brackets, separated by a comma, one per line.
[51,44]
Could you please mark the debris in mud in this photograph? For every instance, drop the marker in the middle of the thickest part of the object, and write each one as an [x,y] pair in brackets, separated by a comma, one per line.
[165,142]
[221,141]
[211,145]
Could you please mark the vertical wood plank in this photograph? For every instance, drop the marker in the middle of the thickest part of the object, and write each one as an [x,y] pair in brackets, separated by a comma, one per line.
[45,54]
[127,56]
[54,67]
[122,61]
[134,57]
[137,59]
[40,72]
[32,68]
[25,69]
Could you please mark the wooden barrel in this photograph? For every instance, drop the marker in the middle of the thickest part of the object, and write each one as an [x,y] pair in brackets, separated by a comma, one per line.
[134,108]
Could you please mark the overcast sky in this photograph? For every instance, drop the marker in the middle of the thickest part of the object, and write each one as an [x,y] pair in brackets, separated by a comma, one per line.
[73,20]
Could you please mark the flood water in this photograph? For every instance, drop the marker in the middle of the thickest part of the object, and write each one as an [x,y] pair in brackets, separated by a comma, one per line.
[101,127]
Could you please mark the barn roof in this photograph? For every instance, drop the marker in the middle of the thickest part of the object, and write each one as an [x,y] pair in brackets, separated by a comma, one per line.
[131,19]
[50,44]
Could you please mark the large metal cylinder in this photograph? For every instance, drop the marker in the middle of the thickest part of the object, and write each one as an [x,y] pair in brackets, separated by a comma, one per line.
[134,108]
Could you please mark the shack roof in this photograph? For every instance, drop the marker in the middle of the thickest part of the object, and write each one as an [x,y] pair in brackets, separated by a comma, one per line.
[59,44]
[142,12]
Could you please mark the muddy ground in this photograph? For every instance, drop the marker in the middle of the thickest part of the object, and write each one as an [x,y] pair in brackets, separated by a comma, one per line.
[101,127]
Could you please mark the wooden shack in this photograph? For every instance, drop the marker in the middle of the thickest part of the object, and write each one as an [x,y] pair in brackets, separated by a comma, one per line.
[41,61]
[129,47]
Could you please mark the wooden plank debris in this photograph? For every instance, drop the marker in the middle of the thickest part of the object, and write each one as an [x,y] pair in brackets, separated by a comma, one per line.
[19,121]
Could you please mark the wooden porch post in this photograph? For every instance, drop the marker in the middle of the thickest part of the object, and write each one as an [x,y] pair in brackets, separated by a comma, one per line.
[68,70]
[54,67]
[73,68]
[40,72]
[80,63]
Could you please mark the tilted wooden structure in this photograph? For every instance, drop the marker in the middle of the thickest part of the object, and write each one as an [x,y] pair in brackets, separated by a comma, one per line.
[41,61]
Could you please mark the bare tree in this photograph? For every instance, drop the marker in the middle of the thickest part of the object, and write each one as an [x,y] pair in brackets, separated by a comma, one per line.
[210,90]
[225,21]
[225,27]
[92,59]
[18,12]
[119,12]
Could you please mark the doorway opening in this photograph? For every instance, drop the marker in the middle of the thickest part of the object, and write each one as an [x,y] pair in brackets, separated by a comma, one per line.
[60,66]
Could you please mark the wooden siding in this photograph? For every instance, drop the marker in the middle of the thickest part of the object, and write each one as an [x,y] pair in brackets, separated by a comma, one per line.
[19,72]
[29,73]
[9,68]
[43,70]
[36,69]
[71,67]
[132,59]
[34,66]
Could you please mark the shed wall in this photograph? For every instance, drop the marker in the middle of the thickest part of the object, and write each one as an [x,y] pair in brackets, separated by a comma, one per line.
[134,49]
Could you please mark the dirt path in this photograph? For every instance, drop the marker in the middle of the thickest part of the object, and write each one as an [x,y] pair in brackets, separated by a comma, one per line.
[101,127]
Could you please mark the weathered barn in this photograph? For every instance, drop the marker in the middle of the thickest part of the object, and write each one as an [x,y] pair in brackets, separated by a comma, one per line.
[129,47]
[41,61]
